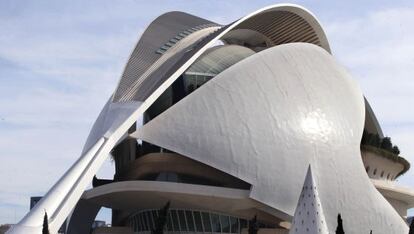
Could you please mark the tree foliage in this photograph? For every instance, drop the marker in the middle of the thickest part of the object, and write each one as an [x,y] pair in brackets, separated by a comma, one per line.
[45,229]
[376,141]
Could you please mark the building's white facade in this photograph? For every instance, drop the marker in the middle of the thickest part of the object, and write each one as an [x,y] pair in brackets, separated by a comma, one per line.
[233,118]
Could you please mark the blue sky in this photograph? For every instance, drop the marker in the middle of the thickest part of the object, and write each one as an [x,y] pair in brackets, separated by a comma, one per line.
[61,60]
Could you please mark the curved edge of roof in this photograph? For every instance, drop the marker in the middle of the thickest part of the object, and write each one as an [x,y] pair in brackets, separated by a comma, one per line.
[395,191]
[375,126]
[161,186]
[298,10]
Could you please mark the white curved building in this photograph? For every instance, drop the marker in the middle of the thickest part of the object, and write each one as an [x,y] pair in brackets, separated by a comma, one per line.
[234,116]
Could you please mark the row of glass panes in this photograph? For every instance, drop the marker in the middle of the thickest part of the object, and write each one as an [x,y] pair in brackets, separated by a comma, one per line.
[188,221]
[193,81]
[180,36]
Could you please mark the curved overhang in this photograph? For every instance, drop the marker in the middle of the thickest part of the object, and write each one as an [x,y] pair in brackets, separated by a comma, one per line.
[394,191]
[371,123]
[283,23]
[141,195]
[155,163]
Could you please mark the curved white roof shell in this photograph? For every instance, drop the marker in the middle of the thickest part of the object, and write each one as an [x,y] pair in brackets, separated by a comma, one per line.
[266,118]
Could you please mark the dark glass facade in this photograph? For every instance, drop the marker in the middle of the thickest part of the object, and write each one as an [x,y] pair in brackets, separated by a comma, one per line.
[189,221]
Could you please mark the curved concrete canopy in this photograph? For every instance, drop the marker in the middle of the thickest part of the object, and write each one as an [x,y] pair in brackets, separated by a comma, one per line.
[396,192]
[141,195]
[280,25]
[265,119]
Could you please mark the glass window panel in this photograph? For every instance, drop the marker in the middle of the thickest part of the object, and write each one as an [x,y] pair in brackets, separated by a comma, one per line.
[144,223]
[175,221]
[132,223]
[139,224]
[243,224]
[198,223]
[190,220]
[206,221]
[154,217]
[172,177]
[234,225]
[183,224]
[215,223]
[169,222]
[225,223]
[149,220]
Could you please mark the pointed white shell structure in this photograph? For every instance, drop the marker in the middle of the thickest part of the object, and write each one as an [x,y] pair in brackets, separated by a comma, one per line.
[309,217]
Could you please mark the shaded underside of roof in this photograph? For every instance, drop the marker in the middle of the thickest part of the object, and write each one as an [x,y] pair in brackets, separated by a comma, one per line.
[282,27]
[218,58]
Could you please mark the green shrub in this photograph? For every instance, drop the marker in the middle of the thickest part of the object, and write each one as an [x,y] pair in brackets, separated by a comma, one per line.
[376,141]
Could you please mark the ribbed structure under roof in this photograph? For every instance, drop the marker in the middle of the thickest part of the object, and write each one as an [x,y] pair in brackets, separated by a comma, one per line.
[282,27]
[158,33]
